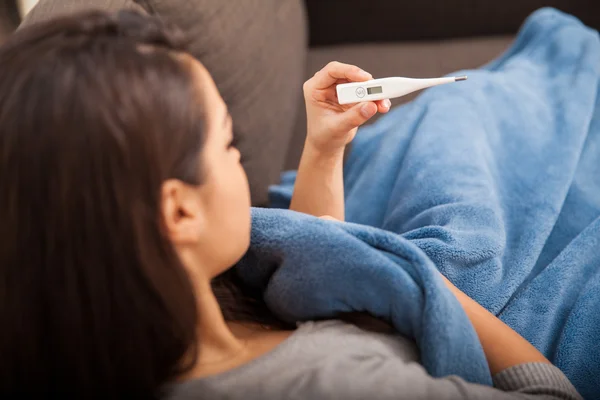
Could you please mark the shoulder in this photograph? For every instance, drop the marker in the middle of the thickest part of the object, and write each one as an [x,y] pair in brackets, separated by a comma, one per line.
[358,364]
[320,360]
[345,339]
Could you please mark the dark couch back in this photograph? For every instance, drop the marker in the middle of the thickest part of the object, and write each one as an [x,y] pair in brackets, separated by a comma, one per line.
[353,21]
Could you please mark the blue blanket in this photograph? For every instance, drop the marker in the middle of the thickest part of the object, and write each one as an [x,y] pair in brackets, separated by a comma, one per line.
[495,182]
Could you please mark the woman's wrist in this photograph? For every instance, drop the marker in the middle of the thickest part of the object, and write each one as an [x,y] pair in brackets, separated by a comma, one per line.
[329,153]
[327,161]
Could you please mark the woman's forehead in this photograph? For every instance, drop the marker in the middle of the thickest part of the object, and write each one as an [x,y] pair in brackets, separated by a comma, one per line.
[215,110]
[206,89]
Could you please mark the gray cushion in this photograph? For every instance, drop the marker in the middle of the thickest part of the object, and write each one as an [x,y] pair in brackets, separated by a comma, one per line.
[254,49]
[411,59]
[46,9]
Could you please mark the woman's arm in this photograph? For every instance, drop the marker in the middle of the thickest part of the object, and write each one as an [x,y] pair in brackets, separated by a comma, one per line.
[503,347]
[319,188]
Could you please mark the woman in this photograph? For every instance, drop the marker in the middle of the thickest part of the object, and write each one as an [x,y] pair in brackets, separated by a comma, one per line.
[123,197]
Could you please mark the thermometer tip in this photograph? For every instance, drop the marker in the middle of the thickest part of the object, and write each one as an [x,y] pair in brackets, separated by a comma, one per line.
[460,78]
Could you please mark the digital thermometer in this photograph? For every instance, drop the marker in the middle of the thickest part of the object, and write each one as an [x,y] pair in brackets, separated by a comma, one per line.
[387,88]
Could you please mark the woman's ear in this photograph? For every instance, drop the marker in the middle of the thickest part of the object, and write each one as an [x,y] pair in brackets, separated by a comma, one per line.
[182,212]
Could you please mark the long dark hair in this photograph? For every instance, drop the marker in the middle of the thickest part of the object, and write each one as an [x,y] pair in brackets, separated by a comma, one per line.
[95,113]
[9,18]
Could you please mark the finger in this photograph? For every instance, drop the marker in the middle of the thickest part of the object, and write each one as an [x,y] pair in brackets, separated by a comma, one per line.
[356,116]
[383,106]
[336,70]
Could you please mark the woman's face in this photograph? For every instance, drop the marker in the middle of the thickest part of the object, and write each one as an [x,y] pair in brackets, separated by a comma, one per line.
[214,226]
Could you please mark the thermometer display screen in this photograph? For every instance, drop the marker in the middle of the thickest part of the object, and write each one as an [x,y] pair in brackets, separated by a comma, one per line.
[375,90]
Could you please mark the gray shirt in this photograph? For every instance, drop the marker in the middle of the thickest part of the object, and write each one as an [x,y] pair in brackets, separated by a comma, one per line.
[336,360]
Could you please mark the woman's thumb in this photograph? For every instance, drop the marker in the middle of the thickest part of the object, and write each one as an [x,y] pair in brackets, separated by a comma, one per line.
[357,115]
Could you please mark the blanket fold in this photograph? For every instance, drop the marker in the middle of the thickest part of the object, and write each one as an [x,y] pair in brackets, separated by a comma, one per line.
[318,269]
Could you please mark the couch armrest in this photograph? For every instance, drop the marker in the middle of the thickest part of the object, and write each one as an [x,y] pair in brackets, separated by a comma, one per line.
[354,21]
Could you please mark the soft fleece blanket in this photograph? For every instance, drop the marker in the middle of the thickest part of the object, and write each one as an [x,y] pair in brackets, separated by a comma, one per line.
[495,182]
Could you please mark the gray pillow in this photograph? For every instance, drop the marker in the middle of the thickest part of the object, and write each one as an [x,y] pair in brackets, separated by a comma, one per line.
[47,9]
[255,51]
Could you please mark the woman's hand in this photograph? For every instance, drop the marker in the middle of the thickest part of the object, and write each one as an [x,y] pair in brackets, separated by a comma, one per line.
[331,126]
[319,188]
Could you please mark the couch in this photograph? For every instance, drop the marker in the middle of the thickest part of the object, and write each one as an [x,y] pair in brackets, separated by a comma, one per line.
[260,51]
